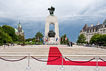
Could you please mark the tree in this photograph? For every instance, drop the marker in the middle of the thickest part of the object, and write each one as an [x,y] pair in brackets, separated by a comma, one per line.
[102,40]
[30,39]
[10,31]
[81,39]
[1,37]
[39,37]
[4,37]
[98,39]
[64,39]
[95,39]
[21,39]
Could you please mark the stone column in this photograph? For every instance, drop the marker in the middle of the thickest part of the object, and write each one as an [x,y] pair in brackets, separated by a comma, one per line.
[52,20]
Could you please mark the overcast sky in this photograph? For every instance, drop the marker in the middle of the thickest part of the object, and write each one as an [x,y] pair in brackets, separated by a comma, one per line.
[32,13]
[35,9]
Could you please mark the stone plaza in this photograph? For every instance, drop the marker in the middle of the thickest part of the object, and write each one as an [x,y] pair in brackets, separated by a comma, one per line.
[41,52]
[34,57]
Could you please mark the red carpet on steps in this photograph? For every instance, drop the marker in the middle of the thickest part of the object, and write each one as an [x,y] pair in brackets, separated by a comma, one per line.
[53,54]
[55,58]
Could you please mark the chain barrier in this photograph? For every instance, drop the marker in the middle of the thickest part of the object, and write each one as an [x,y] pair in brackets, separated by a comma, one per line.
[102,59]
[47,60]
[13,60]
[81,61]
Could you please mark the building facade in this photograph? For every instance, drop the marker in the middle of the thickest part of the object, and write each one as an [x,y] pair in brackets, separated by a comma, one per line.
[90,31]
[19,30]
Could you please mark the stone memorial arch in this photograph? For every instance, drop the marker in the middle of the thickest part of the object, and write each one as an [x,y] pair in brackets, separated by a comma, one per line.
[52,37]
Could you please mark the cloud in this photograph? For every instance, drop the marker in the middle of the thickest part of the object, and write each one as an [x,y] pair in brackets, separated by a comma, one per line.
[97,8]
[32,13]
[38,8]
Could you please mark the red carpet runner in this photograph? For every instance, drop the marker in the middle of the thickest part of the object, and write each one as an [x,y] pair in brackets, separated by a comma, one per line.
[55,54]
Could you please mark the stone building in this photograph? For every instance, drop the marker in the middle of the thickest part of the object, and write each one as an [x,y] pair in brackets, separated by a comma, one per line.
[90,31]
[19,30]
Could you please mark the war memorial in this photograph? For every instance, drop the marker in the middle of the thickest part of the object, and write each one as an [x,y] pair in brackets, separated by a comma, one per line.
[51,36]
[52,56]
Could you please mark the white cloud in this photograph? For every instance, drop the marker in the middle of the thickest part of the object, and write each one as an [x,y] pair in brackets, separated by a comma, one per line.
[36,9]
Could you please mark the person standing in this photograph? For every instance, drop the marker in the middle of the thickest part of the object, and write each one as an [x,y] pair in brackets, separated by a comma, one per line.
[71,44]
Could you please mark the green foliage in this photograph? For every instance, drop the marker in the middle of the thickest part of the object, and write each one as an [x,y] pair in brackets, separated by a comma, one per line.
[98,39]
[1,28]
[81,39]
[95,39]
[38,43]
[39,38]
[21,39]
[30,43]
[39,35]
[10,31]
[103,40]
[30,39]
[64,40]
[4,37]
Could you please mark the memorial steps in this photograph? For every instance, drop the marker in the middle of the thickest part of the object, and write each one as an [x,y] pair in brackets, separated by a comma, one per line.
[54,53]
[43,50]
[43,53]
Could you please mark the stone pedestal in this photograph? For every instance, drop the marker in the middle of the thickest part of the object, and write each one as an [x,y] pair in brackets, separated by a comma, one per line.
[52,40]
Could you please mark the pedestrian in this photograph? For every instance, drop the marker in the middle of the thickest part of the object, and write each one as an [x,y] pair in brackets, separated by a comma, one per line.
[71,44]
